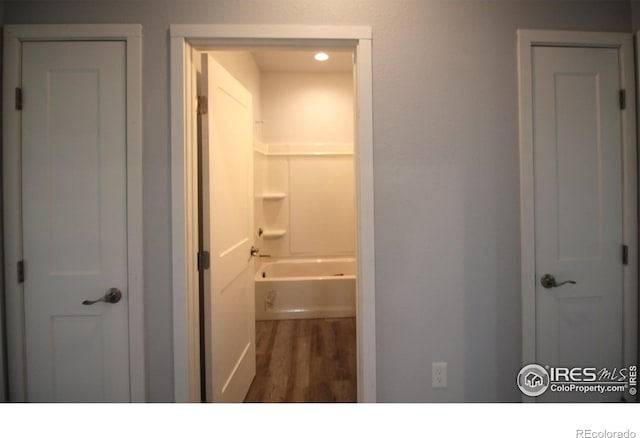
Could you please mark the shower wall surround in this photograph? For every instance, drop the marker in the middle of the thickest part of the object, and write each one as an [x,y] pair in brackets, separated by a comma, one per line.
[305,165]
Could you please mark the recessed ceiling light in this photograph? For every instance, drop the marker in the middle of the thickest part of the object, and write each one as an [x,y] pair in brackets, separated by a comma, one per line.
[321,56]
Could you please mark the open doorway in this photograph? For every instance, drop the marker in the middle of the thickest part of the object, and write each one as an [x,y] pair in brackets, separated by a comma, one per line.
[277,223]
[187,42]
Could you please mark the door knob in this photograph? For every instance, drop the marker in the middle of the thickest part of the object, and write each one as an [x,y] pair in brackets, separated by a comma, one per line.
[254,251]
[112,296]
[548,281]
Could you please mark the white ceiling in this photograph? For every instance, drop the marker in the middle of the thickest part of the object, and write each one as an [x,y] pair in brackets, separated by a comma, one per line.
[298,61]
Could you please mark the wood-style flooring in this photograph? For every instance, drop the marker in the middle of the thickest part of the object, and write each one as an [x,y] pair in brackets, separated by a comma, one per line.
[305,360]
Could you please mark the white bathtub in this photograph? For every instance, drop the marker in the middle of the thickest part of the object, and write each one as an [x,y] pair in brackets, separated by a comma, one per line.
[306,288]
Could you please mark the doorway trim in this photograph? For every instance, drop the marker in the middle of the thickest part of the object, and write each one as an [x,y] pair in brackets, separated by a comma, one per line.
[14,35]
[184,184]
[527,39]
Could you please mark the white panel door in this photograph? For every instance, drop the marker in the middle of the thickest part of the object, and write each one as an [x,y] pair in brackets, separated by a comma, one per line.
[578,210]
[74,220]
[227,160]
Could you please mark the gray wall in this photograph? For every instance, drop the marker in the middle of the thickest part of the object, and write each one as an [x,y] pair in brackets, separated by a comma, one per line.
[446,172]
[635,15]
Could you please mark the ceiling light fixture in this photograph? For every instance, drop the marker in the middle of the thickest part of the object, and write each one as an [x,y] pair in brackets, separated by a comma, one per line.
[321,56]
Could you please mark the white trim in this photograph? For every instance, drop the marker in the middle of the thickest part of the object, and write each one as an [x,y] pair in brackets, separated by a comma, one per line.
[305,149]
[134,216]
[623,42]
[182,39]
[14,35]
[183,213]
[527,226]
[365,243]
[193,32]
[69,32]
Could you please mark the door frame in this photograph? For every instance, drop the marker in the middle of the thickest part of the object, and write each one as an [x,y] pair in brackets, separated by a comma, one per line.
[184,184]
[14,36]
[527,39]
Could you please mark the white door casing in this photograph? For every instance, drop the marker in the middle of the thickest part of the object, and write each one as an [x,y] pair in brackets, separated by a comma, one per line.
[79,187]
[227,184]
[184,38]
[578,204]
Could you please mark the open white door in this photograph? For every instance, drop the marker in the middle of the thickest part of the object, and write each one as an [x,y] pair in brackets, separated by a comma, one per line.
[74,204]
[227,160]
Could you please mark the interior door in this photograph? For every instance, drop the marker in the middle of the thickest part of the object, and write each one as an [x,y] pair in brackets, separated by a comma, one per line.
[227,160]
[74,221]
[578,211]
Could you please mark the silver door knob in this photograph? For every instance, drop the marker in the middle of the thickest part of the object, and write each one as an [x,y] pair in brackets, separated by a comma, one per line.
[548,281]
[112,296]
[254,251]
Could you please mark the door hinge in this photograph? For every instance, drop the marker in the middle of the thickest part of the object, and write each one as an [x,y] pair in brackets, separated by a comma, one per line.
[203,105]
[204,260]
[19,99]
[21,271]
[625,254]
[623,99]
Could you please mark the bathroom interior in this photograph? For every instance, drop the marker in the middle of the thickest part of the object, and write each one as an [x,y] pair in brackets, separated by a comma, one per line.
[304,221]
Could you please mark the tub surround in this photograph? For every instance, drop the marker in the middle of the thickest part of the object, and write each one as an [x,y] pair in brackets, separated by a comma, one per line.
[305,179]
[306,199]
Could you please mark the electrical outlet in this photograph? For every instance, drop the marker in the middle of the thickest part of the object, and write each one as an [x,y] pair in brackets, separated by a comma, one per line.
[439,375]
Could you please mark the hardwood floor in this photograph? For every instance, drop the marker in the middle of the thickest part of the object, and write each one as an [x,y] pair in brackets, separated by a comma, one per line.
[305,360]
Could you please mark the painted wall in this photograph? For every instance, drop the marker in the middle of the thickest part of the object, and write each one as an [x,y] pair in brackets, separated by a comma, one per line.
[635,15]
[307,108]
[308,113]
[446,172]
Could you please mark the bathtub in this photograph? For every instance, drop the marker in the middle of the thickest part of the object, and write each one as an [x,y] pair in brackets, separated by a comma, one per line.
[306,288]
